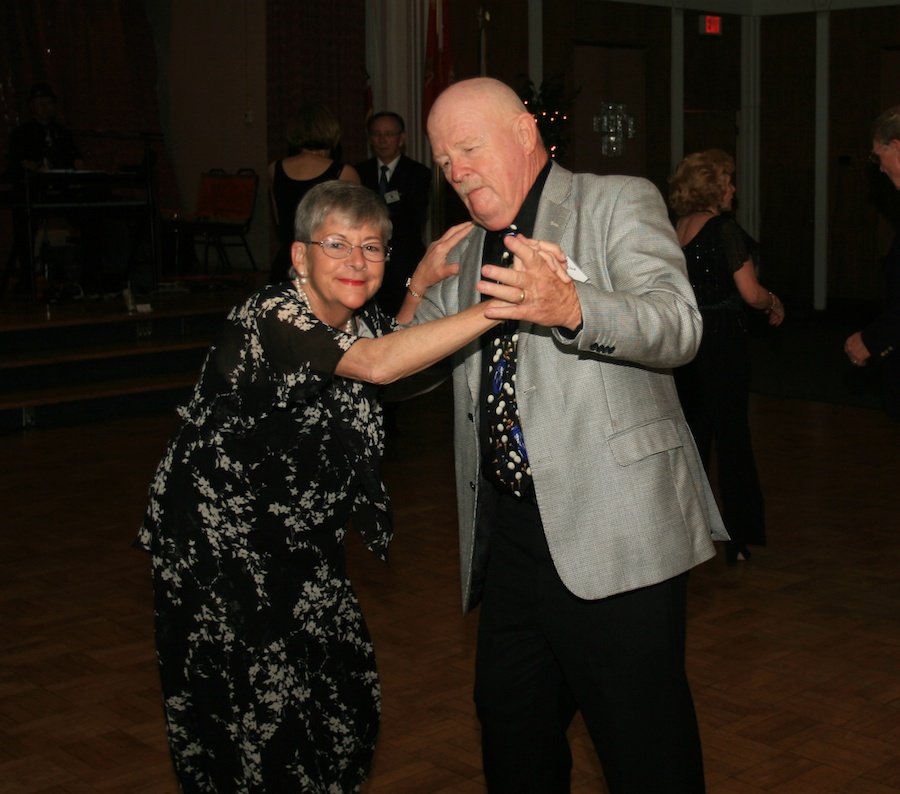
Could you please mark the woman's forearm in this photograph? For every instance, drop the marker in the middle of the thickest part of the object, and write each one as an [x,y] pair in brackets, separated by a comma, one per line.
[756,295]
[410,350]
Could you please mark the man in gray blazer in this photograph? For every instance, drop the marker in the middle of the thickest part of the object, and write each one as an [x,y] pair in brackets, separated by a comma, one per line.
[582,500]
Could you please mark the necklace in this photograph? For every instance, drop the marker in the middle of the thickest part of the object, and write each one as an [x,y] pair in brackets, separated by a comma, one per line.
[304,298]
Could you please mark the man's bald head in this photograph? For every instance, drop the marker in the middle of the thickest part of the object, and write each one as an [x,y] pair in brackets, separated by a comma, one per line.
[488,147]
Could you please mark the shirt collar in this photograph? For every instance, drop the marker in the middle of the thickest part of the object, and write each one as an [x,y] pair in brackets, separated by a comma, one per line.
[391,165]
[527,213]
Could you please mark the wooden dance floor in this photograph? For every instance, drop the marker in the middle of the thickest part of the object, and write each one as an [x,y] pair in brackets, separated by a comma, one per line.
[794,656]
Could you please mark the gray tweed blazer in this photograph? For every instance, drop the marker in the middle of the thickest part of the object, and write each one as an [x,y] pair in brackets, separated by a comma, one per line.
[622,493]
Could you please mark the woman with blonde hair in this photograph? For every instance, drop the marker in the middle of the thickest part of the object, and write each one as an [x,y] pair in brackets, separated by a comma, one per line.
[714,387]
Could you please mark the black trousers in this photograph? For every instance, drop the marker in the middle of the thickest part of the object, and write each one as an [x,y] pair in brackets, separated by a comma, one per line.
[714,391]
[543,654]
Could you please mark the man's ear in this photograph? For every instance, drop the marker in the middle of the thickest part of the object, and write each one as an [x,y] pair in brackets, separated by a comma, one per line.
[527,131]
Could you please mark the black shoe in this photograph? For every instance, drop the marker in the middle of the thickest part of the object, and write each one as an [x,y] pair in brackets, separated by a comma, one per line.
[736,552]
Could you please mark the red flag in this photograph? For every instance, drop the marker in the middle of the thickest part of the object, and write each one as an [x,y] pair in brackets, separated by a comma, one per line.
[438,55]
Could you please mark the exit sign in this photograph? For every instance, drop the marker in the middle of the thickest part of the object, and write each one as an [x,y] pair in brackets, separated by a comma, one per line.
[711,26]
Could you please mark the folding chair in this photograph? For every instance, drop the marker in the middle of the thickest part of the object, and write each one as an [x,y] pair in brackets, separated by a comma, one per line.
[222,215]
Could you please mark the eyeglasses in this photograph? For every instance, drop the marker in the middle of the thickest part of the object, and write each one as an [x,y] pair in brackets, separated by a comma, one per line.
[875,157]
[337,249]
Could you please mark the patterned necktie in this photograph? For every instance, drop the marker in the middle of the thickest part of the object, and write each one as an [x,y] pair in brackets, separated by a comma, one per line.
[382,183]
[507,459]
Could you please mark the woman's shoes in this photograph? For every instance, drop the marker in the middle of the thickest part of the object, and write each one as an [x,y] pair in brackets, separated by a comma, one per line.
[736,552]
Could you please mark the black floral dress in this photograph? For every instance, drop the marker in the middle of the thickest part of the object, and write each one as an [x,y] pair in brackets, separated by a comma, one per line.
[268,672]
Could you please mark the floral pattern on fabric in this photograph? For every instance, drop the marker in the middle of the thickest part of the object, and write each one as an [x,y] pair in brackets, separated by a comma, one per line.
[268,672]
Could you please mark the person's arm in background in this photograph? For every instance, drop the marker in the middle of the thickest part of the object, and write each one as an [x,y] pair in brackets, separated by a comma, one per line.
[881,337]
[756,295]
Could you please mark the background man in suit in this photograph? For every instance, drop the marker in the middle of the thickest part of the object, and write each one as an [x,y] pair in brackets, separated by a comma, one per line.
[881,337]
[582,500]
[405,189]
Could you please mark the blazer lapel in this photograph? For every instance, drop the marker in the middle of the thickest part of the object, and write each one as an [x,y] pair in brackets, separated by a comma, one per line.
[552,218]
[469,275]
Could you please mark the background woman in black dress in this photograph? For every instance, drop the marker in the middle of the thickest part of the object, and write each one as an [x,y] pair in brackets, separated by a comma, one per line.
[714,387]
[313,137]
[268,673]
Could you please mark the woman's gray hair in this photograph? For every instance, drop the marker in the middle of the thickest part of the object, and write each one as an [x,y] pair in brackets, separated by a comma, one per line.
[886,127]
[354,204]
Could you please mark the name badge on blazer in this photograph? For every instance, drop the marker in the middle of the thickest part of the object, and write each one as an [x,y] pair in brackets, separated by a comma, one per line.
[575,272]
[392,196]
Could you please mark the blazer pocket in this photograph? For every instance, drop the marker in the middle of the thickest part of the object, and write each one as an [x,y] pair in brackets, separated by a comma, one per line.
[637,443]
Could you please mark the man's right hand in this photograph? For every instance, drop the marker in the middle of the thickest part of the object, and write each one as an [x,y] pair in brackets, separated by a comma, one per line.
[856,351]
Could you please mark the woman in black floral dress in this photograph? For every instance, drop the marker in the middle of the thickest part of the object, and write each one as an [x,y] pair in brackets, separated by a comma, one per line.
[268,673]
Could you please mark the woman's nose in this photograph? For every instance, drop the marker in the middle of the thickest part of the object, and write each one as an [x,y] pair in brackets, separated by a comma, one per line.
[356,259]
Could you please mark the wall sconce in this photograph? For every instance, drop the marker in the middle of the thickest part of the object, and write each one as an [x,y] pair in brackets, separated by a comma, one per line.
[614,126]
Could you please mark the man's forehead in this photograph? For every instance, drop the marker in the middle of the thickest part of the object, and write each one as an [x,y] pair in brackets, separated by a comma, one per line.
[444,144]
[462,127]
[386,122]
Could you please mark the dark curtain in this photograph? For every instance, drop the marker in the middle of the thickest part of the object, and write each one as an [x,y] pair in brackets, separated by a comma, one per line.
[317,53]
[98,57]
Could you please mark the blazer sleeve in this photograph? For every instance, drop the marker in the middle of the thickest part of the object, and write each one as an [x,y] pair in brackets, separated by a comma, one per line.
[637,302]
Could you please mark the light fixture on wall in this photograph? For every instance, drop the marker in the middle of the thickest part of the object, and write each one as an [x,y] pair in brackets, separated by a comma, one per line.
[615,126]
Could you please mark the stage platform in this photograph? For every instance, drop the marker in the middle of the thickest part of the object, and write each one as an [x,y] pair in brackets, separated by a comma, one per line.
[111,354]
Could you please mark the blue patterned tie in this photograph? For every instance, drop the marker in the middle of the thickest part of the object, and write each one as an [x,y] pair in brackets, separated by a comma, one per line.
[508,460]
[382,183]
